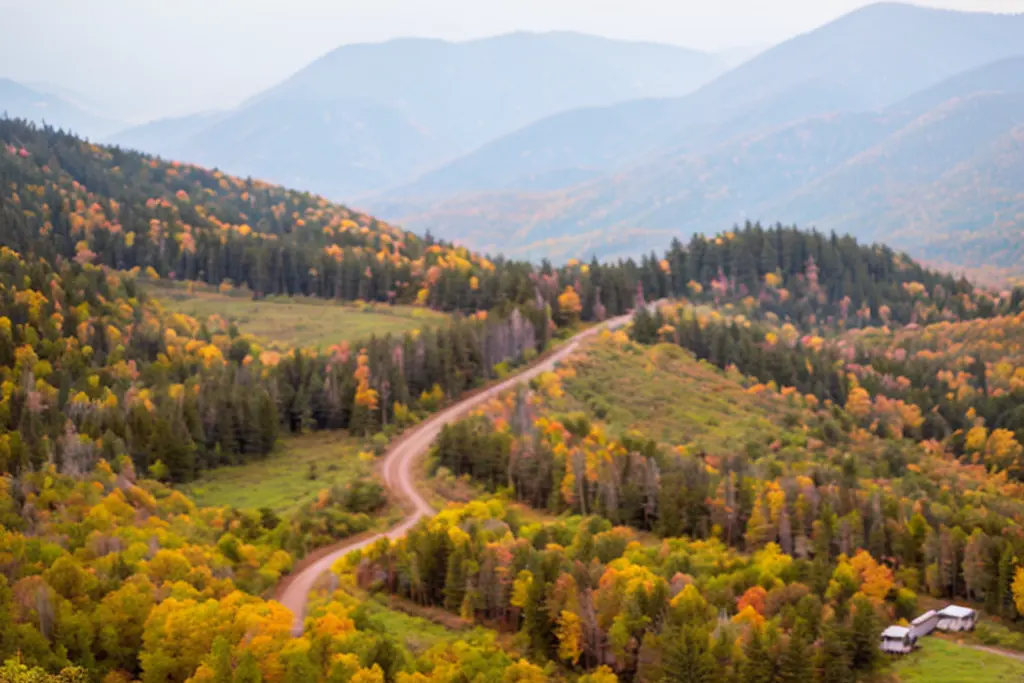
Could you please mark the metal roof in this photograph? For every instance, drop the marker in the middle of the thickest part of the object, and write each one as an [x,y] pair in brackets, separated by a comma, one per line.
[925,617]
[956,612]
[895,632]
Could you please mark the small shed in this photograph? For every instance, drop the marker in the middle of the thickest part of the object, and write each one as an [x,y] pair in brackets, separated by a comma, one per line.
[956,618]
[924,624]
[898,640]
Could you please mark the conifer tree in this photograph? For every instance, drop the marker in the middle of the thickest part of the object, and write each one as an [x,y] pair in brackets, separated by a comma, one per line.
[758,665]
[864,636]
[688,657]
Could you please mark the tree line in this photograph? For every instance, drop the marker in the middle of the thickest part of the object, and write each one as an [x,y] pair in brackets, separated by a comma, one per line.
[967,397]
[62,197]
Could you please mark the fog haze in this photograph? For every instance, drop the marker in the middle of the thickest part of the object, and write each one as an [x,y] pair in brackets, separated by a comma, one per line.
[153,59]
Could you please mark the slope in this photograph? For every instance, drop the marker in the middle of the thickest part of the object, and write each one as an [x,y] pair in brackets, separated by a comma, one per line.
[947,184]
[929,173]
[64,197]
[910,45]
[367,117]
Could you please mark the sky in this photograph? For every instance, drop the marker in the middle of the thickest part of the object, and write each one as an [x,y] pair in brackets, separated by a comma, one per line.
[143,59]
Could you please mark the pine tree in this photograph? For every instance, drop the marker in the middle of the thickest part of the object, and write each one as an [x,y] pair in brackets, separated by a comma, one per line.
[833,661]
[1001,595]
[455,581]
[769,257]
[688,657]
[758,665]
[864,636]
[794,664]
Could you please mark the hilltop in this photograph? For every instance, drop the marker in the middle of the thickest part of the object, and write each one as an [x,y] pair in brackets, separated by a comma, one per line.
[367,117]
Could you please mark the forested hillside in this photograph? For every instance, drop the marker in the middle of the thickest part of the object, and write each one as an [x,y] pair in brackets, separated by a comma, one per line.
[108,207]
[120,209]
[791,527]
[851,443]
[954,382]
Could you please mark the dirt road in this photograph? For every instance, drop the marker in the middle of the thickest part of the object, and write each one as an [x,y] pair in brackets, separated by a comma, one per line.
[398,468]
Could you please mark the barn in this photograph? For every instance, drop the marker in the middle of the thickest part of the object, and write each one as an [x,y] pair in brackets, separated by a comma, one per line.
[924,624]
[956,618]
[898,640]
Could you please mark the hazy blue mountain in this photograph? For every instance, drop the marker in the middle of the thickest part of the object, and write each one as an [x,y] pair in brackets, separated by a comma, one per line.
[735,56]
[20,101]
[165,137]
[867,59]
[365,117]
[1006,75]
[935,173]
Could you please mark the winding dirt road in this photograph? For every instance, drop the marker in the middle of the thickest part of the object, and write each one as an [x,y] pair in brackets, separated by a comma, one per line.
[397,469]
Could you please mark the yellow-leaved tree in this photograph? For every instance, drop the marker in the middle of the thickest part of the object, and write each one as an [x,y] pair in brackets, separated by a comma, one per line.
[569,306]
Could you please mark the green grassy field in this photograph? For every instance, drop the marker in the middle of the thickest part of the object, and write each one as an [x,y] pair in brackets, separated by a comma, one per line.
[281,482]
[666,395]
[941,661]
[297,321]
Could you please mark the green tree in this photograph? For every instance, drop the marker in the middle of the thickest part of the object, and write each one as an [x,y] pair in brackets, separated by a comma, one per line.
[248,670]
[688,657]
[864,636]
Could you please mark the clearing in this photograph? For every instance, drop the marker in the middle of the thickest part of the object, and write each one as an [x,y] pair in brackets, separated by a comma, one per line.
[282,480]
[666,395]
[289,322]
[942,661]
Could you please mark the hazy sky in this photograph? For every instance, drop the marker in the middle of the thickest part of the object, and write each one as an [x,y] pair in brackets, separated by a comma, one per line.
[150,58]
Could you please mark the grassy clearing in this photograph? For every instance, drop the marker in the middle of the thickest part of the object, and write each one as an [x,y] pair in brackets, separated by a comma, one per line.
[282,481]
[288,322]
[663,393]
[942,661]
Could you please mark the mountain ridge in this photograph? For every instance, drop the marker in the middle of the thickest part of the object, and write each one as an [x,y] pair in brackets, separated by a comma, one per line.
[908,44]
[782,173]
[456,95]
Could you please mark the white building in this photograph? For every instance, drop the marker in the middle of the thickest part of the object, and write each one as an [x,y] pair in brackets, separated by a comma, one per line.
[956,618]
[898,640]
[924,624]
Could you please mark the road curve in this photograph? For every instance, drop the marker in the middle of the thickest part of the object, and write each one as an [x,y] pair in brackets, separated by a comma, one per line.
[397,470]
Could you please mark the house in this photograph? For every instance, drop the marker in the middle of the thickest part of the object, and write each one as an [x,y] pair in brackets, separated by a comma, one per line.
[956,618]
[924,624]
[898,640]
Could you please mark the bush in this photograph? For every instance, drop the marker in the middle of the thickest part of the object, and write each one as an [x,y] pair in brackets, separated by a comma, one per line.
[906,603]
[992,633]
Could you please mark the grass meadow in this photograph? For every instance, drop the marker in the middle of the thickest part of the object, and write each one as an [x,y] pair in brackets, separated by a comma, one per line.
[282,481]
[290,322]
[943,661]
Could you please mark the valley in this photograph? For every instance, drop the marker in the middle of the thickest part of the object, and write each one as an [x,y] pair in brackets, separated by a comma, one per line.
[398,473]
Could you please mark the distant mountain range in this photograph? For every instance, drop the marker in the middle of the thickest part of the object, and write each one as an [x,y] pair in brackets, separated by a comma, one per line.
[895,121]
[368,117]
[47,103]
[861,126]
